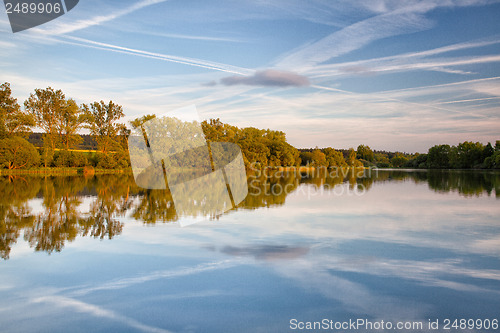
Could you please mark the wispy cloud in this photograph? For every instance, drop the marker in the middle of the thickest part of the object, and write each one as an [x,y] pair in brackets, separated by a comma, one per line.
[97,311]
[127,282]
[354,37]
[165,57]
[64,28]
[268,77]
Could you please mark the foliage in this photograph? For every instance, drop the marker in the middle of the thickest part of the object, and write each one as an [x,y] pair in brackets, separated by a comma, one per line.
[365,153]
[13,121]
[17,153]
[102,121]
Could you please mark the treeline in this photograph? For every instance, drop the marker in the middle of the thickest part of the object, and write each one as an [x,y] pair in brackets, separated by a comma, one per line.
[106,147]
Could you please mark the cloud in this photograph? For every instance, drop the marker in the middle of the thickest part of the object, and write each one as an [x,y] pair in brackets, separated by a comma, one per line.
[268,78]
[267,252]
[63,28]
[94,310]
[165,57]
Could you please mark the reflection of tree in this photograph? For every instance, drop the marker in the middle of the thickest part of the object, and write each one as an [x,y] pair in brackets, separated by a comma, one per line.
[63,219]
[113,199]
[58,222]
[154,206]
[15,213]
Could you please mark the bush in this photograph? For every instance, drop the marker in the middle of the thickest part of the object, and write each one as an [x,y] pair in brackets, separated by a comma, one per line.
[62,158]
[17,153]
[78,159]
[107,161]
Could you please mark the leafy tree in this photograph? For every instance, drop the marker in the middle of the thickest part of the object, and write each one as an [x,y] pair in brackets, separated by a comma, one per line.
[13,121]
[351,159]
[68,122]
[17,153]
[365,153]
[488,151]
[381,160]
[469,155]
[399,160]
[46,106]
[438,157]
[102,121]
[318,158]
[334,158]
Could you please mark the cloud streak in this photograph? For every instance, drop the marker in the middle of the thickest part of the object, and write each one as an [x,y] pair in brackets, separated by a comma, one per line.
[268,78]
[64,28]
[165,57]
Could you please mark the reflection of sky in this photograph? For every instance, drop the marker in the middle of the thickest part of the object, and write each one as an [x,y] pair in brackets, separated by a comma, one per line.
[398,252]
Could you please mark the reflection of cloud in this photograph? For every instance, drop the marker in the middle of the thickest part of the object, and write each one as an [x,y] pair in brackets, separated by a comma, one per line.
[267,252]
[97,311]
[127,282]
[268,77]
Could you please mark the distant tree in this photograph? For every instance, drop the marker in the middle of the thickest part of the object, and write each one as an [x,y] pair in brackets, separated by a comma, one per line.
[469,155]
[13,121]
[488,151]
[318,158]
[399,160]
[17,153]
[381,160]
[497,145]
[102,121]
[365,153]
[351,159]
[334,158]
[438,157]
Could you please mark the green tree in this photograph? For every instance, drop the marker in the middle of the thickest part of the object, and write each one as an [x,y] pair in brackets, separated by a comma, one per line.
[351,159]
[438,157]
[318,158]
[102,121]
[334,158]
[46,106]
[469,155]
[365,153]
[399,160]
[17,153]
[13,121]
[68,122]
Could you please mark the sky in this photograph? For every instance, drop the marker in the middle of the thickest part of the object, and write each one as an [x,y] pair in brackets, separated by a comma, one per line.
[396,75]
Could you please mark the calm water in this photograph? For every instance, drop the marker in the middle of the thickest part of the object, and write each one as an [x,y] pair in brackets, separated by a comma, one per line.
[99,254]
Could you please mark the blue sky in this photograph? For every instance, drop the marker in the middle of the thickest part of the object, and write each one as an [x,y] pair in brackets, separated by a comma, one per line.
[396,75]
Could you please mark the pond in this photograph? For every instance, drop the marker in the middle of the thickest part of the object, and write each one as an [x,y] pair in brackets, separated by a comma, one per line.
[401,248]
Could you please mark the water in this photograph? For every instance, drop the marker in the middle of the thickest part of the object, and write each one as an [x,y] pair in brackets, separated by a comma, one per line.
[98,254]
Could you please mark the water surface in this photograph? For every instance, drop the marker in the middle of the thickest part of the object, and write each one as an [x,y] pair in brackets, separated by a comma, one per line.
[100,254]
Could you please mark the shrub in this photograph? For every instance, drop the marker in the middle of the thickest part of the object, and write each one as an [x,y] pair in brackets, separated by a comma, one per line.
[17,153]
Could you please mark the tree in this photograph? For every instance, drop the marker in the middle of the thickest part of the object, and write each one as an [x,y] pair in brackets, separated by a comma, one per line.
[17,153]
[334,158]
[102,121]
[68,122]
[318,158]
[351,159]
[365,153]
[438,157]
[13,121]
[399,160]
[46,106]
[469,154]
